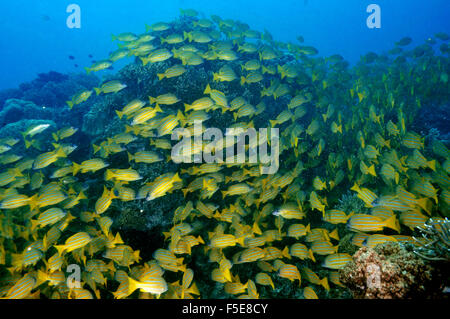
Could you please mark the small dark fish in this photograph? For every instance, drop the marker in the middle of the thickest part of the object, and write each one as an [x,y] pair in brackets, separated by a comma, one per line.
[111,68]
[421,50]
[336,58]
[71,57]
[400,59]
[383,58]
[90,56]
[76,65]
[396,51]
[404,42]
[93,61]
[442,36]
[45,17]
[370,57]
[444,48]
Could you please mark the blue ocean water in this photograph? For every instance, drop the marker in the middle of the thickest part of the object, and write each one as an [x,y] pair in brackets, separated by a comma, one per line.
[35,37]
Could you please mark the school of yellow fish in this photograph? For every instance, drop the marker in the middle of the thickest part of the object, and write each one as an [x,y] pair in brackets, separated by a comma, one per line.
[340,132]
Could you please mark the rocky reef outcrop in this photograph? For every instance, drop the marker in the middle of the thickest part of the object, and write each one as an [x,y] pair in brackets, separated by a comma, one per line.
[391,271]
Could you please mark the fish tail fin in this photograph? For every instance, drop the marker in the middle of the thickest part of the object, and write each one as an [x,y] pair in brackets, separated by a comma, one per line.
[132,285]
[70,104]
[152,100]
[24,134]
[242,80]
[60,153]
[181,116]
[34,224]
[182,267]
[96,148]
[113,37]
[388,143]
[311,255]
[176,178]
[193,289]
[263,69]
[215,77]
[160,76]
[240,240]
[324,283]
[88,70]
[392,223]
[355,188]
[97,91]
[372,170]
[308,229]
[256,229]
[273,123]
[119,114]
[60,249]
[187,107]
[81,195]
[33,203]
[144,61]
[285,252]
[423,203]
[28,143]
[109,174]
[55,137]
[130,157]
[75,168]
[207,90]
[432,165]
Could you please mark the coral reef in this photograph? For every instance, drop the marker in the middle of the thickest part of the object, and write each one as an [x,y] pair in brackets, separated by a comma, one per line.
[39,98]
[390,271]
[54,89]
[9,94]
[350,202]
[387,271]
[435,120]
[346,245]
[16,110]
[436,240]
[99,120]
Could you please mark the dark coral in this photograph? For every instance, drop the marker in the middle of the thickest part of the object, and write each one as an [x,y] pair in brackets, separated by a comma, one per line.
[50,89]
